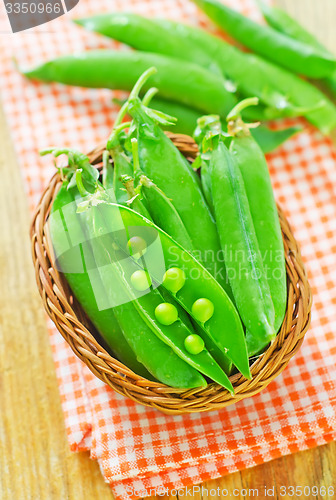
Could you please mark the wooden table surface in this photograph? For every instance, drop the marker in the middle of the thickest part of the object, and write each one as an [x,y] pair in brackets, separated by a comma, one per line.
[35,462]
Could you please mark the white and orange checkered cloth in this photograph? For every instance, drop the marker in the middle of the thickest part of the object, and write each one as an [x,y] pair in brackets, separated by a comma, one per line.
[137,448]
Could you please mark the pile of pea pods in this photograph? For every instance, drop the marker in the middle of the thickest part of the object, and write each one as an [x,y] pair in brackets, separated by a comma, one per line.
[179,266]
[199,73]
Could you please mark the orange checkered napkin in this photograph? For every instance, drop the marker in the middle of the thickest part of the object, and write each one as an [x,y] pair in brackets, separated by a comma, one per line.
[137,448]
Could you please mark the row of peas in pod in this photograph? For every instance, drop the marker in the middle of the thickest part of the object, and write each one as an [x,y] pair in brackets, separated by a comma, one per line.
[166,313]
[179,266]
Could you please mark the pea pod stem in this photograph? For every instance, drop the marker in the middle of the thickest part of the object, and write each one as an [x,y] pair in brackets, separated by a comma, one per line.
[237,110]
[79,182]
[135,154]
[148,97]
[77,160]
[121,114]
[187,118]
[141,82]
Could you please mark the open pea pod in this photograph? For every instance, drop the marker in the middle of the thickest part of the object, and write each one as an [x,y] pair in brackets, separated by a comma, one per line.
[78,243]
[224,327]
[115,270]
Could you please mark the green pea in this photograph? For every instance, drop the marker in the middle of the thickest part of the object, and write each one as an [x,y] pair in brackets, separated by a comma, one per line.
[202,309]
[166,313]
[194,344]
[141,280]
[174,279]
[137,247]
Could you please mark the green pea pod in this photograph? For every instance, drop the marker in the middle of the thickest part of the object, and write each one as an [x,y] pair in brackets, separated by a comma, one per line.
[164,214]
[224,327]
[154,204]
[114,69]
[64,226]
[292,54]
[284,23]
[162,162]
[239,243]
[116,273]
[257,182]
[284,93]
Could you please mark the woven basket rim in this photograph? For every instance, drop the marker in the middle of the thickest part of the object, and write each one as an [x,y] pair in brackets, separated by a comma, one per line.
[71,321]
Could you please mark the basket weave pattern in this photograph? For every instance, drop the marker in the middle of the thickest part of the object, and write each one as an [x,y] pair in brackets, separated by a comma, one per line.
[64,310]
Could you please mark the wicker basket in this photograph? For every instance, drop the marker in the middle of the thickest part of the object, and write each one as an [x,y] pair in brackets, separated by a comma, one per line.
[75,327]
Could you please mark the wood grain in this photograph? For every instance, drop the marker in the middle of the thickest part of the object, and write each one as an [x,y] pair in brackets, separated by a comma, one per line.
[35,462]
